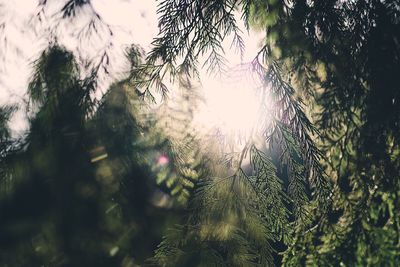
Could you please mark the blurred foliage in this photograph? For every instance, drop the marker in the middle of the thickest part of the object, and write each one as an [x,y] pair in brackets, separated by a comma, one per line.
[79,189]
[343,57]
[99,183]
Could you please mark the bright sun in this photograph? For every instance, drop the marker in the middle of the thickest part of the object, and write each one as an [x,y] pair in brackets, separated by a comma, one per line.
[233,104]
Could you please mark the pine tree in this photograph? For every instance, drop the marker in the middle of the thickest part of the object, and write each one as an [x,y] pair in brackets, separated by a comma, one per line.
[344,54]
[241,204]
[188,30]
[350,51]
[329,202]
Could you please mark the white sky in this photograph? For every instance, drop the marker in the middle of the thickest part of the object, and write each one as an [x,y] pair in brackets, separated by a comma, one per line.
[133,21]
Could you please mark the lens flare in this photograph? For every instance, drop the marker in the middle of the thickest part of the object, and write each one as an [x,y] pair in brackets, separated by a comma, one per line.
[162,160]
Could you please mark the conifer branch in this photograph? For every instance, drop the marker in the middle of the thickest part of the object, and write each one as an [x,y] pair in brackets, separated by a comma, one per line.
[189,31]
[288,112]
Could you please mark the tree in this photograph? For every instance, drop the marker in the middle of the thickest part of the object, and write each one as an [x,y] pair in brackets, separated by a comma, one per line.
[349,51]
[188,30]
[345,55]
[333,202]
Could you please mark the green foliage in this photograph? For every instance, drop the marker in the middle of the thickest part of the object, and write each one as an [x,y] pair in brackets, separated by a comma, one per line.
[189,31]
[176,52]
[342,48]
[7,147]
[78,190]
[173,127]
[224,228]
[344,54]
[81,189]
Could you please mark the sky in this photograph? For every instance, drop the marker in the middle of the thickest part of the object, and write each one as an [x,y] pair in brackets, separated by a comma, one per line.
[22,40]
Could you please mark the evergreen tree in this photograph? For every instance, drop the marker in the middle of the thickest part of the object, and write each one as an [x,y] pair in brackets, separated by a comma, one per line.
[77,191]
[84,187]
[345,55]
[188,30]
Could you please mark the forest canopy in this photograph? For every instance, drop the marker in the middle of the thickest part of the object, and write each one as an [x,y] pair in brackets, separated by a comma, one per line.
[297,162]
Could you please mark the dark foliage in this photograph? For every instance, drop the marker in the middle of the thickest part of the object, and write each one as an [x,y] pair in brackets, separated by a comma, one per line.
[322,184]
